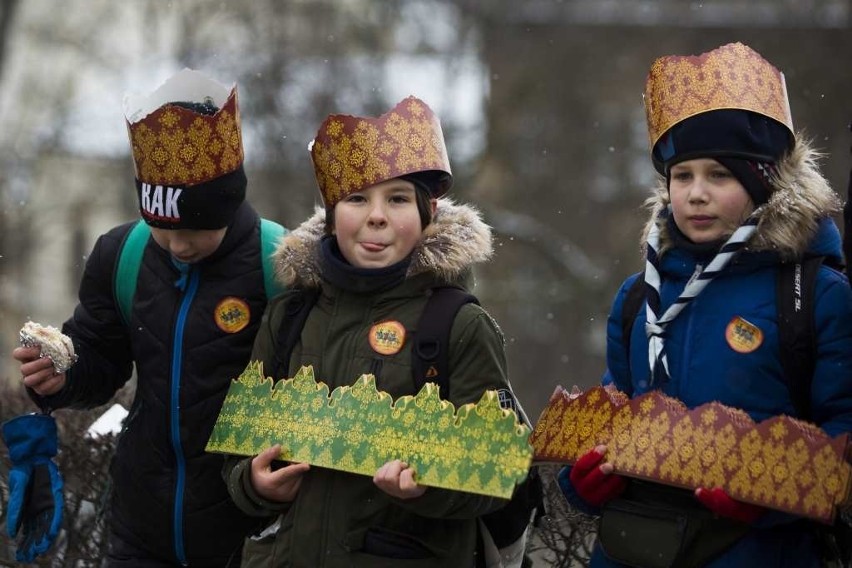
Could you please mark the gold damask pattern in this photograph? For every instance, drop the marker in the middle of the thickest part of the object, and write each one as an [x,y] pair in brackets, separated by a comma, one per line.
[780,463]
[351,153]
[480,448]
[730,77]
[176,146]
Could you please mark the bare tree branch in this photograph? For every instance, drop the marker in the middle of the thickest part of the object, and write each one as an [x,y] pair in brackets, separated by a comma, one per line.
[552,243]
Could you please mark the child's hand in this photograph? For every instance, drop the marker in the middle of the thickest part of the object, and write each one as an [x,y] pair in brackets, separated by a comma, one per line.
[38,372]
[718,501]
[279,485]
[397,480]
[596,484]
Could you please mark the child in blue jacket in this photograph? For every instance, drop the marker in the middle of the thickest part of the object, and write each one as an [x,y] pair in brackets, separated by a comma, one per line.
[741,196]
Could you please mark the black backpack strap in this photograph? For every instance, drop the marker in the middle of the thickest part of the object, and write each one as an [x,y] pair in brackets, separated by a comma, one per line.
[633,302]
[795,291]
[296,310]
[430,353]
[430,362]
[526,506]
[847,225]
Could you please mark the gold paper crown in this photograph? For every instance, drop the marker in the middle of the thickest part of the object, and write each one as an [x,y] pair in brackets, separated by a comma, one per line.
[176,146]
[351,153]
[733,76]
[781,463]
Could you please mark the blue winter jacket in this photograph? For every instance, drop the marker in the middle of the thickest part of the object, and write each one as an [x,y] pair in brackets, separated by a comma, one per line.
[704,368]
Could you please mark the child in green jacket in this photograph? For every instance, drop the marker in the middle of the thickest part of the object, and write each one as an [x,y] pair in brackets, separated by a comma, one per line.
[383,241]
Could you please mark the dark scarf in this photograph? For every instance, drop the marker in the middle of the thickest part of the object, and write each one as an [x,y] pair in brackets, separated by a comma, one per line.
[702,251]
[337,271]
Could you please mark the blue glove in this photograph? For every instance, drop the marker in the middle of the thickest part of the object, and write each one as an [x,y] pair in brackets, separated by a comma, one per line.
[34,513]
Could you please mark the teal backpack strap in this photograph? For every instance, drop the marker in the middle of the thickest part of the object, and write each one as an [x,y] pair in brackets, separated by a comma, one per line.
[127,268]
[270,233]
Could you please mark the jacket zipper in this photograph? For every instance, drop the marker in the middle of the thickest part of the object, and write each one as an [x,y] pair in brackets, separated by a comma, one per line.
[174,409]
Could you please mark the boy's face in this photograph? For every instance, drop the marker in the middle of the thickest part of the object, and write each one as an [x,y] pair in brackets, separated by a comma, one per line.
[188,245]
[708,202]
[379,226]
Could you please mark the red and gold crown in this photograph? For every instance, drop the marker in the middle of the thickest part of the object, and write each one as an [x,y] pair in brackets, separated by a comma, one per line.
[733,76]
[351,153]
[173,145]
[781,463]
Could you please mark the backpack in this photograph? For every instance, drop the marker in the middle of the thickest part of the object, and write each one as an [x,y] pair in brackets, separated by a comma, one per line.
[503,533]
[133,247]
[795,287]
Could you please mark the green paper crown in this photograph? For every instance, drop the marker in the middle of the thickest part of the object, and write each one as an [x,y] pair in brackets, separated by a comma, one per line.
[481,448]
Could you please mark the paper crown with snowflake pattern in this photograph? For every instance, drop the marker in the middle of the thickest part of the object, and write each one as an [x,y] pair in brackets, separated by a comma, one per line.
[187,149]
[732,76]
[352,153]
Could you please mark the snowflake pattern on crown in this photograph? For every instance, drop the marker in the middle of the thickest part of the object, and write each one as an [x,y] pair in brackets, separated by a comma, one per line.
[176,146]
[732,76]
[351,153]
[781,463]
[479,448]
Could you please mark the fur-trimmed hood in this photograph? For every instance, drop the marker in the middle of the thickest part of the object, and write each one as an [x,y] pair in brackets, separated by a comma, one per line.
[456,239]
[791,218]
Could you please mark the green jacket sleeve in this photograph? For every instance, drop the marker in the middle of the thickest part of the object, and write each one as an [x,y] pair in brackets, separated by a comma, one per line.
[237,474]
[477,364]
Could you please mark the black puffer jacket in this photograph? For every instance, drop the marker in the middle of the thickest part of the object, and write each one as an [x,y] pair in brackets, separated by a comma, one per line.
[168,497]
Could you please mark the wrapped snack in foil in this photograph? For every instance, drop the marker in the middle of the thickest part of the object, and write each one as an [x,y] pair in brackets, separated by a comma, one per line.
[54,344]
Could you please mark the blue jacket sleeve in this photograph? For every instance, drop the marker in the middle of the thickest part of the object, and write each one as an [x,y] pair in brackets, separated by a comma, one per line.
[617,373]
[831,389]
[571,494]
[617,359]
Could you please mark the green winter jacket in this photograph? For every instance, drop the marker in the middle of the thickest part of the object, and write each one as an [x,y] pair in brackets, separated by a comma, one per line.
[335,513]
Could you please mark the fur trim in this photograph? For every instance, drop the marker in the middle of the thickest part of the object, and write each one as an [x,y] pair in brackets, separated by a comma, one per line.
[456,238]
[789,220]
[296,258]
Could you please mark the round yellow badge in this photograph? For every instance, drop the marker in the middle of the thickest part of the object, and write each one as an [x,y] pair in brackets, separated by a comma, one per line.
[387,337]
[743,336]
[232,314]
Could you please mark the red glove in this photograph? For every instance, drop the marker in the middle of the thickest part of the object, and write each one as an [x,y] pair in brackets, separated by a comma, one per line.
[723,505]
[596,484]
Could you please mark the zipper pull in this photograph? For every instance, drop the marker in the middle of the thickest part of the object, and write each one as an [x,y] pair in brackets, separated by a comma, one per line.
[184,269]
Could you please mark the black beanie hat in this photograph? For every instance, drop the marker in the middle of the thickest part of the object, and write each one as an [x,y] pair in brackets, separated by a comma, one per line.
[723,133]
[754,177]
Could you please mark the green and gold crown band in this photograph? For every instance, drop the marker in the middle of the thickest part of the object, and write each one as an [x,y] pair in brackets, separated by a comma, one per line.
[176,146]
[479,448]
[351,153]
[732,76]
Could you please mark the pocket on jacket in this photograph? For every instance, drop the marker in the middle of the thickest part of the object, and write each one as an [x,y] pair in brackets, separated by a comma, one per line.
[664,535]
[258,552]
[390,544]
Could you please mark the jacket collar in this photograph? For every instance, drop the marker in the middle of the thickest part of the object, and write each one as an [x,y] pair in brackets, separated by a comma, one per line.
[456,239]
[794,220]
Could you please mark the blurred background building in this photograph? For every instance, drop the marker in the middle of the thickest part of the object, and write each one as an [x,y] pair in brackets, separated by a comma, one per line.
[540,102]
